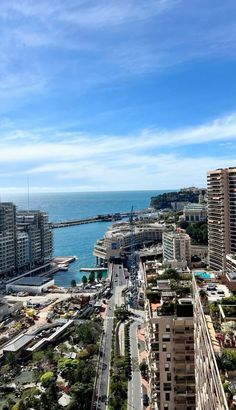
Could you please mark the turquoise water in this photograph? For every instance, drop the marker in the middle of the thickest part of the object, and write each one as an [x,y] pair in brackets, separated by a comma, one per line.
[203,275]
[79,240]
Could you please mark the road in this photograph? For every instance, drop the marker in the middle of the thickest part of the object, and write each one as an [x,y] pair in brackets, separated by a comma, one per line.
[134,387]
[102,384]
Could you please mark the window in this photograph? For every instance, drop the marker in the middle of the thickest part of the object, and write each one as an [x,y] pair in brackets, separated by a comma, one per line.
[167,386]
[168,377]
[167,328]
[167,366]
[167,396]
[164,347]
[166,338]
[168,357]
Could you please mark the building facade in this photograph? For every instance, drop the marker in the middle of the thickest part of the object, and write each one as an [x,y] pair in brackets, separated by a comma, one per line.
[195,213]
[26,239]
[176,246]
[117,239]
[221,184]
[7,237]
[35,225]
[170,341]
[210,394]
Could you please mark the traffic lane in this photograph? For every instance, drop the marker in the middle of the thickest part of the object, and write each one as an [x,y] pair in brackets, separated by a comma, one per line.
[135,387]
[105,362]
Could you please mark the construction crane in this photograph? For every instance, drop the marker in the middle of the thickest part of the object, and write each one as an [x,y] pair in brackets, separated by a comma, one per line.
[133,262]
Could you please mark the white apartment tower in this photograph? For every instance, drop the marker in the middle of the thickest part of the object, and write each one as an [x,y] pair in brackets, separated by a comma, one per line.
[176,246]
[25,239]
[7,237]
[35,224]
[221,185]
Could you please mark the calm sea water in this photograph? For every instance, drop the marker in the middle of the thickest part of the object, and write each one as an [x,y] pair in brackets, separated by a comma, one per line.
[79,240]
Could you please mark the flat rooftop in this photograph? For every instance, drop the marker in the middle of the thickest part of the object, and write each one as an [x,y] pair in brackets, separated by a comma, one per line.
[31,281]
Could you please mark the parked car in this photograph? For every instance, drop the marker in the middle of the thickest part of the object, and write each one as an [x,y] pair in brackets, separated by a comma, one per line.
[145,400]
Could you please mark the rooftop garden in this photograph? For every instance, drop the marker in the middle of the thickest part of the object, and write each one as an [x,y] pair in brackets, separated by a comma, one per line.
[178,282]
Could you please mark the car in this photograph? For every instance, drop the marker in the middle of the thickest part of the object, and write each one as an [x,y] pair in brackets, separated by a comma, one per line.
[211,287]
[145,400]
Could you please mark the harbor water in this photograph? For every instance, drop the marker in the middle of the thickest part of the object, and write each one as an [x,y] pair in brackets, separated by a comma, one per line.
[79,240]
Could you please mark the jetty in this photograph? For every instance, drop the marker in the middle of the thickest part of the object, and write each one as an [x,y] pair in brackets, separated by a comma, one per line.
[92,269]
[98,218]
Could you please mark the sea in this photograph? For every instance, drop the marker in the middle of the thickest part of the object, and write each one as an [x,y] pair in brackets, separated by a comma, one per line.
[79,240]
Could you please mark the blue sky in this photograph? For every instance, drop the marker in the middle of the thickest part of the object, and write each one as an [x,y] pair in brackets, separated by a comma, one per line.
[116,95]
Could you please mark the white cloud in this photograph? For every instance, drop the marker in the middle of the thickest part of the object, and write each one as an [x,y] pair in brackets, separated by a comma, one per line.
[119,162]
[34,145]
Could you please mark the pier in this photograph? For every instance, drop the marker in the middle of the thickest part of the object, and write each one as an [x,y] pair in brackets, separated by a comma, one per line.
[93,269]
[98,218]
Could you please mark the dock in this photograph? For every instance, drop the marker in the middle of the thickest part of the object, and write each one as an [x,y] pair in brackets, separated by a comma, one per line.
[64,259]
[93,269]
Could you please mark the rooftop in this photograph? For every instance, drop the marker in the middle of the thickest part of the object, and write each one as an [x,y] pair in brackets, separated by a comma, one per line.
[31,281]
[18,343]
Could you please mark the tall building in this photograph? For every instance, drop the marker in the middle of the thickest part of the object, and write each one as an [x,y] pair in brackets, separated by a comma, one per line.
[35,224]
[7,237]
[176,247]
[210,394]
[170,343]
[25,239]
[221,184]
[170,340]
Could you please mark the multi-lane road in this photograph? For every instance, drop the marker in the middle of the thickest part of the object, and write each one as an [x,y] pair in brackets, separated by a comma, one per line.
[102,383]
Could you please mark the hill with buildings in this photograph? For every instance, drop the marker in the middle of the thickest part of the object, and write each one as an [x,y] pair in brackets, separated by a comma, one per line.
[172,199]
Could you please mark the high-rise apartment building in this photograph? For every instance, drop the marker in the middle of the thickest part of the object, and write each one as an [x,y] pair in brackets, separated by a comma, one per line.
[7,237]
[25,239]
[170,342]
[221,185]
[35,224]
[176,247]
[210,394]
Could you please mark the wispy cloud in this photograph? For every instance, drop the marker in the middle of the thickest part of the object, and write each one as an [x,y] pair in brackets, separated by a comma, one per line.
[76,145]
[125,160]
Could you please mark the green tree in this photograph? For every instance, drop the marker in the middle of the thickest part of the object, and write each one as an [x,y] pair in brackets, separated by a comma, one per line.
[122,313]
[73,283]
[38,356]
[47,378]
[84,280]
[92,277]
[19,406]
[143,367]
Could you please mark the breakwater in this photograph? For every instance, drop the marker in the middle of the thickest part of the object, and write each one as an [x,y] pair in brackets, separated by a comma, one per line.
[98,218]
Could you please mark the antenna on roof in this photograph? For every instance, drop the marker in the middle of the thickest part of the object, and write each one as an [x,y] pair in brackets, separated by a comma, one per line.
[28,193]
